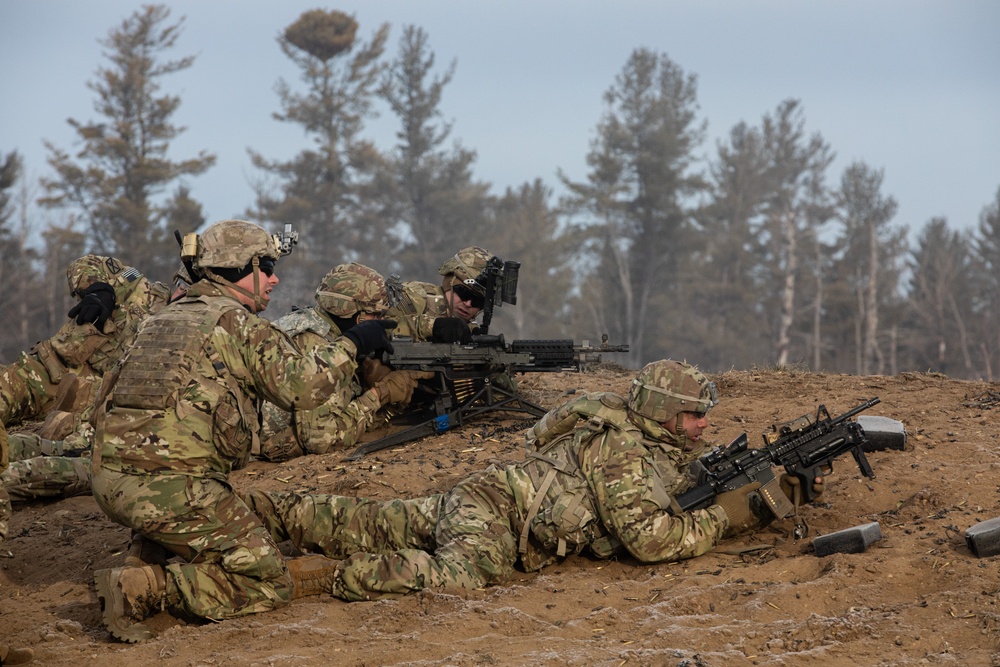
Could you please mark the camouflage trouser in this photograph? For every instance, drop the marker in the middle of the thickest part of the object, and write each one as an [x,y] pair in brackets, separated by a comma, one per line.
[465,538]
[34,474]
[5,512]
[233,567]
[25,446]
[46,477]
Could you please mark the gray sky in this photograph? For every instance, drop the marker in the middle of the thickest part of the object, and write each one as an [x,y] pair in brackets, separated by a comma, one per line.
[908,86]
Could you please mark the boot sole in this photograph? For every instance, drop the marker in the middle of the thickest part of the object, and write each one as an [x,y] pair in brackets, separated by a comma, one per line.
[114,613]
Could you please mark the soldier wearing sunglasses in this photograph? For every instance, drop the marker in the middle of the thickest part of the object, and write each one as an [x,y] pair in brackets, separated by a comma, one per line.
[444,313]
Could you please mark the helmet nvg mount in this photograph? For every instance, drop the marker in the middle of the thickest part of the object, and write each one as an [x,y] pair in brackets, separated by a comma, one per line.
[664,389]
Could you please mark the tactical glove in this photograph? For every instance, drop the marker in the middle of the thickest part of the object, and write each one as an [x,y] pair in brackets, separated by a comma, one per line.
[744,508]
[97,302]
[791,486]
[370,337]
[450,330]
[373,370]
[397,386]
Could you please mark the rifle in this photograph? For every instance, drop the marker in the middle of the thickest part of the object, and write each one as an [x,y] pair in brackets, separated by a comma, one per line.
[465,382]
[806,447]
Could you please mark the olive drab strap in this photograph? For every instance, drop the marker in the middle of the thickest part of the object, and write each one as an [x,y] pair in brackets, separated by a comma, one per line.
[580,419]
[543,488]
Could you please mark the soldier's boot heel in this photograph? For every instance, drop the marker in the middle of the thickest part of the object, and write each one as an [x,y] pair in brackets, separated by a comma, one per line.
[312,575]
[129,595]
[144,551]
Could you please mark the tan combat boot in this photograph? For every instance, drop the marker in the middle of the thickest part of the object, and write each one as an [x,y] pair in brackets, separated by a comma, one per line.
[143,551]
[15,656]
[128,595]
[311,575]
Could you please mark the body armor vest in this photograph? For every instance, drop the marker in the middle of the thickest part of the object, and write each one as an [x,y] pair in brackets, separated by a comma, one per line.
[163,357]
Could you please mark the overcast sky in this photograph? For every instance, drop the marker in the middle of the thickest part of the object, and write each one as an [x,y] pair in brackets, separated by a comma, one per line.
[908,86]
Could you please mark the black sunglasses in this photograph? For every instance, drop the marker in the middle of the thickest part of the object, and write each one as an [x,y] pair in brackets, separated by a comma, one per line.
[266,265]
[467,294]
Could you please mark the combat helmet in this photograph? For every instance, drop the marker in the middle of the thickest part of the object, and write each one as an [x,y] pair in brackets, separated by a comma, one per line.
[464,267]
[351,288]
[663,389]
[89,269]
[232,244]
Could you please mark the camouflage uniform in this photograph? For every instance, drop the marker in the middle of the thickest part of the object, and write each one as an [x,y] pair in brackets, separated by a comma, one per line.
[601,474]
[61,373]
[58,378]
[422,302]
[346,291]
[181,414]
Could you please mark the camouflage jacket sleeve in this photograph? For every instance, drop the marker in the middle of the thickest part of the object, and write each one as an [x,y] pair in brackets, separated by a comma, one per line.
[26,389]
[336,424]
[263,358]
[633,494]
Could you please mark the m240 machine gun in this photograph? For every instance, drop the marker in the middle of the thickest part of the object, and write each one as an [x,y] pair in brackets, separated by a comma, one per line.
[468,379]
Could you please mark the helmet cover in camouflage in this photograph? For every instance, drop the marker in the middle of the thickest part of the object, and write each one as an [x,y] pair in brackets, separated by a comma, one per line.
[466,265]
[663,389]
[89,269]
[351,288]
[232,244]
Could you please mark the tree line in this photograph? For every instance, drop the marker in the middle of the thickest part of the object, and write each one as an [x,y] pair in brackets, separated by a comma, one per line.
[754,256]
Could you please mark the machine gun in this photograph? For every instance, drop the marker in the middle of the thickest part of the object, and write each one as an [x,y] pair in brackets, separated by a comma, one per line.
[469,380]
[806,447]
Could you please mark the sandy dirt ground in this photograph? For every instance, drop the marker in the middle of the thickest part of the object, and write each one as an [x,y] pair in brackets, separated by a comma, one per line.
[917,597]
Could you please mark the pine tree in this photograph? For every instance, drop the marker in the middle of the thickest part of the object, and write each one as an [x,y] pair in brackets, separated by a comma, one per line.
[439,207]
[325,192]
[986,287]
[634,206]
[871,254]
[938,337]
[115,182]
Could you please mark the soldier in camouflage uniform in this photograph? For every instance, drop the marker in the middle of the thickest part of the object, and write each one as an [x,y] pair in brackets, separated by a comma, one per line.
[348,294]
[60,373]
[58,377]
[601,474]
[8,655]
[459,296]
[180,411]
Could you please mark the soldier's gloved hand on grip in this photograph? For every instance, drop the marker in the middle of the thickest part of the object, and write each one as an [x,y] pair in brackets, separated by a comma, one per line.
[450,330]
[373,370]
[398,386]
[744,508]
[370,337]
[791,486]
[97,302]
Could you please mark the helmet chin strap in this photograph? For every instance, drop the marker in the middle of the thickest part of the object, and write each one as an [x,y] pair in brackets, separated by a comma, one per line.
[255,295]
